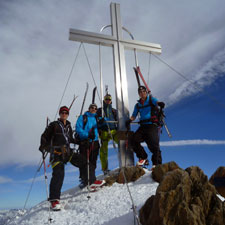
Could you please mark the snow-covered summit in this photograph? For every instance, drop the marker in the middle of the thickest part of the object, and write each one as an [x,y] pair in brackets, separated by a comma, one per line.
[110,205]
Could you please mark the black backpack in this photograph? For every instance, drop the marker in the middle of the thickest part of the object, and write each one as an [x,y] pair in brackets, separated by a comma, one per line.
[156,113]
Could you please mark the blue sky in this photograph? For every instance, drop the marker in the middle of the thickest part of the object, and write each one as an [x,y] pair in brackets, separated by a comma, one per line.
[36,58]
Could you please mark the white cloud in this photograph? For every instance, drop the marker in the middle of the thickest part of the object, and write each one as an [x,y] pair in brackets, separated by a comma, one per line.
[192,142]
[4,180]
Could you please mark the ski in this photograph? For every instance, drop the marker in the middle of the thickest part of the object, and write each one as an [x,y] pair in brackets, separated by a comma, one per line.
[138,71]
[85,95]
[137,77]
[74,98]
[93,95]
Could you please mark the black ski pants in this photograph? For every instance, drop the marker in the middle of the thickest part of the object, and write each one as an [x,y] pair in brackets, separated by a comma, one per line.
[89,150]
[147,133]
[58,173]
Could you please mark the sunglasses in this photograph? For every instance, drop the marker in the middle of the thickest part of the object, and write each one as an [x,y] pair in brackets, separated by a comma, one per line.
[94,108]
[64,113]
[142,91]
[108,99]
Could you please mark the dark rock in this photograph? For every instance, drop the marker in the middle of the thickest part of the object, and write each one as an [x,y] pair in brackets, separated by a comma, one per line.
[160,170]
[218,180]
[132,173]
[184,197]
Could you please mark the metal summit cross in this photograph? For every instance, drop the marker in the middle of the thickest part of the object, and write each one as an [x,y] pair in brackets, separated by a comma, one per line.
[116,41]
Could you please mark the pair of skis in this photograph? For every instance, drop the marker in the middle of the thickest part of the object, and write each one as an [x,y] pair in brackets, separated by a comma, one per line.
[138,76]
[85,95]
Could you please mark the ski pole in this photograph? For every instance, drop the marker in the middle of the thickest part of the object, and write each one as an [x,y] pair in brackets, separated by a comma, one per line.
[74,98]
[167,130]
[90,148]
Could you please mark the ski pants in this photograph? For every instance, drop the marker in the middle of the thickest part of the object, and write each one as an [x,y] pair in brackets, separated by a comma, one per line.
[58,173]
[147,133]
[105,137]
[88,150]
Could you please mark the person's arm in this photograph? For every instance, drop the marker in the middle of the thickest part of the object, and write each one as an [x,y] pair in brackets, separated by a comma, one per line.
[46,137]
[79,128]
[72,140]
[134,114]
[132,118]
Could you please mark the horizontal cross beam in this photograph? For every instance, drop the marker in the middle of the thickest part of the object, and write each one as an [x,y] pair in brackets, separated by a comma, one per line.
[109,40]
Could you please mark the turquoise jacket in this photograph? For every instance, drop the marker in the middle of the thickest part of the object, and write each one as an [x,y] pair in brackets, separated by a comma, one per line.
[144,110]
[83,132]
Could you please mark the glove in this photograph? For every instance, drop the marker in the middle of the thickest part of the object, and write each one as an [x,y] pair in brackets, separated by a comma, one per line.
[91,134]
[127,123]
[42,148]
[161,104]
[101,121]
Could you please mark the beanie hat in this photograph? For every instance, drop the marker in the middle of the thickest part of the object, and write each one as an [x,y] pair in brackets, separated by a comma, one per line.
[64,109]
[142,88]
[93,104]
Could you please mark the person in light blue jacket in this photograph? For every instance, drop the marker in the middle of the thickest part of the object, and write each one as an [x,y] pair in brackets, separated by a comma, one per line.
[87,130]
[147,107]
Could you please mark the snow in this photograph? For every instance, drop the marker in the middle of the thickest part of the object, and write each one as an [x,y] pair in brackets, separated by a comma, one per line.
[108,206]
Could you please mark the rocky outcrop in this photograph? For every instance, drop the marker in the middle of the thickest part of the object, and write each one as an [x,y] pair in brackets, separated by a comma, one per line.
[160,170]
[132,173]
[184,197]
[218,180]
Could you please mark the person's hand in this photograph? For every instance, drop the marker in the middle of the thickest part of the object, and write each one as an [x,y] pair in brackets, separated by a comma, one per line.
[127,123]
[101,121]
[161,104]
[91,134]
[42,148]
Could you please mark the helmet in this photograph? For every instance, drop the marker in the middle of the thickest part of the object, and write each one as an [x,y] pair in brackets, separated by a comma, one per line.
[108,96]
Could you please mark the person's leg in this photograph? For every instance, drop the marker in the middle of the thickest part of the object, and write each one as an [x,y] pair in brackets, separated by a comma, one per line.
[56,180]
[94,150]
[137,138]
[115,136]
[84,146]
[152,140]
[104,150]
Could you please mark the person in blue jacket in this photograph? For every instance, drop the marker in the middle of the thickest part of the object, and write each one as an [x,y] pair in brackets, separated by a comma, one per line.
[87,130]
[148,132]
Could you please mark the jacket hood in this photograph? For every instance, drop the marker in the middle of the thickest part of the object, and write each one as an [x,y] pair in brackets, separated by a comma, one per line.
[90,114]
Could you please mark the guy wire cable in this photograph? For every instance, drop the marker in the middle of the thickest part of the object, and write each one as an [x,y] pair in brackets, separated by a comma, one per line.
[91,70]
[68,80]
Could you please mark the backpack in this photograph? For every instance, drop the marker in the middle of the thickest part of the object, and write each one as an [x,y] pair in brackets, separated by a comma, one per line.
[156,116]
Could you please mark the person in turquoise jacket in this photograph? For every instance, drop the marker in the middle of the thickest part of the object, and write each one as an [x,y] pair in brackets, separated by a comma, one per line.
[147,107]
[87,130]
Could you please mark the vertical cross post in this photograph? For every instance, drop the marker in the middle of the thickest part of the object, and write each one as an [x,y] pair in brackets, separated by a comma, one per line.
[126,157]
[116,41]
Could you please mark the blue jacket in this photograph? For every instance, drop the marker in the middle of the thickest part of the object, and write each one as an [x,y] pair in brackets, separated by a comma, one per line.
[110,115]
[144,110]
[91,123]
